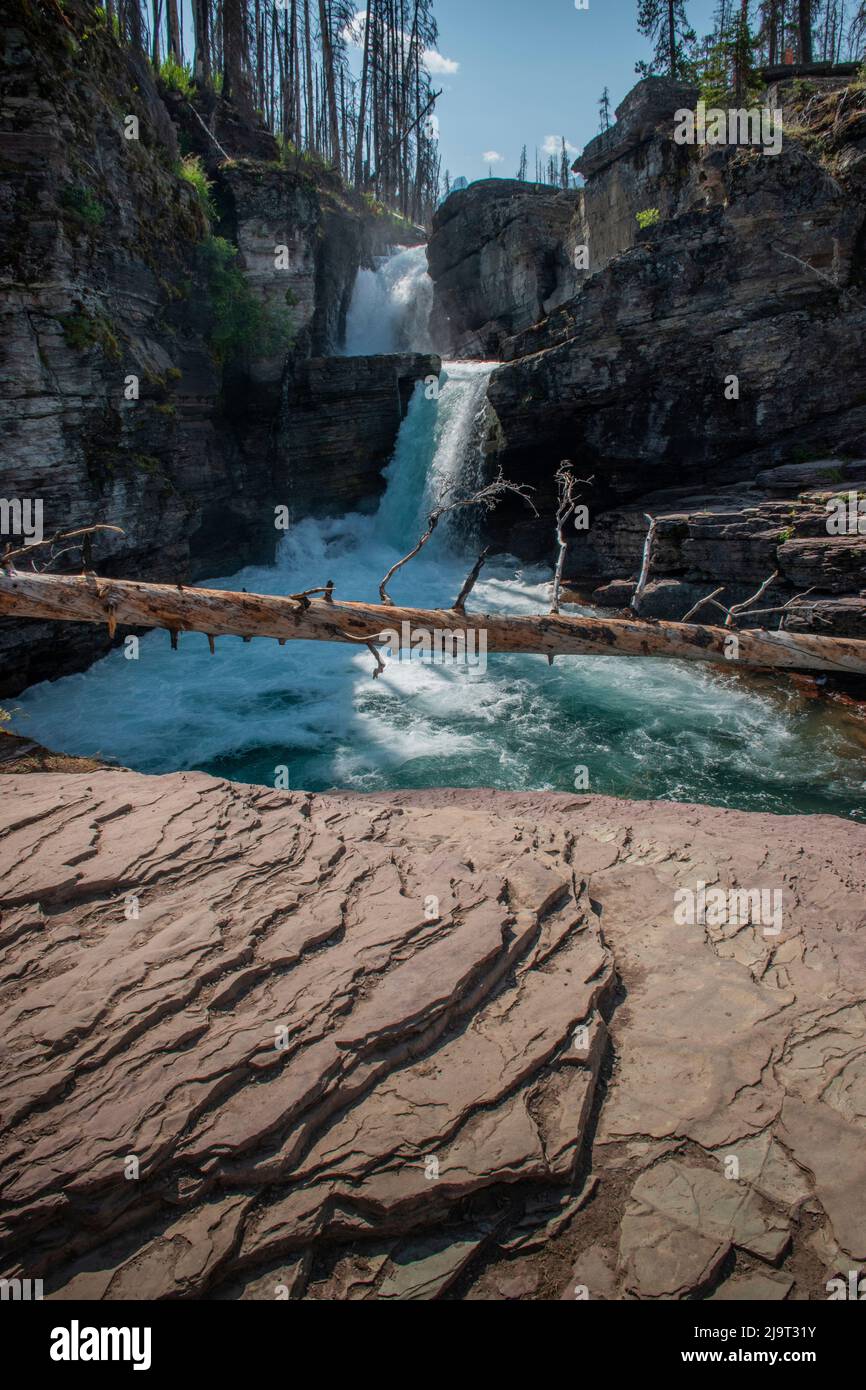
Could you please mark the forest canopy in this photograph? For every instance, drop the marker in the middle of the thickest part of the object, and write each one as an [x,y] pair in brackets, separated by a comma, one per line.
[349,86]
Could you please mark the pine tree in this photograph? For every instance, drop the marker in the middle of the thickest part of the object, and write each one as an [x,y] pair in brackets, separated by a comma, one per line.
[521,172]
[286,62]
[804,29]
[564,167]
[742,53]
[666,25]
[235,84]
[604,111]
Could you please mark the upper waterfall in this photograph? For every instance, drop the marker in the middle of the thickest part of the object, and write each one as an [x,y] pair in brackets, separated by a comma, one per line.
[390,308]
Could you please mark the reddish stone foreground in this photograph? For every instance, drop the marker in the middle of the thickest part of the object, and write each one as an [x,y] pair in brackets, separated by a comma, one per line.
[428,1044]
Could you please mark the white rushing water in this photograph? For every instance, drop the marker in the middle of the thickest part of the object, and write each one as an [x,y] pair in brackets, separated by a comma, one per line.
[391,306]
[642,728]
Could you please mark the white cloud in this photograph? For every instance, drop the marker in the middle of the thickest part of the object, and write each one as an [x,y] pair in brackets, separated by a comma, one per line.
[492,157]
[433,61]
[353,32]
[438,63]
[553,145]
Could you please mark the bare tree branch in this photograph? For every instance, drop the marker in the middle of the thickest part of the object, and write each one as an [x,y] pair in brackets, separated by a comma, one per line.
[841,290]
[486,497]
[736,609]
[700,603]
[86,531]
[646,563]
[470,581]
[568,504]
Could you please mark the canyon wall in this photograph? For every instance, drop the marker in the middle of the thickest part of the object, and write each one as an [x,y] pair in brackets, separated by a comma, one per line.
[501,257]
[724,339]
[504,254]
[120,401]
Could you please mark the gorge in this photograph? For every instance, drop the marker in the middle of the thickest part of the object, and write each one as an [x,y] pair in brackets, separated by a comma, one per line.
[383,977]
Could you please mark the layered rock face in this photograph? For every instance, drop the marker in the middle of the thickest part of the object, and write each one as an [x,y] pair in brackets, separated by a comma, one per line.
[300,248]
[337,426]
[114,408]
[634,167]
[426,1044]
[98,240]
[501,256]
[754,280]
[724,341]
[737,537]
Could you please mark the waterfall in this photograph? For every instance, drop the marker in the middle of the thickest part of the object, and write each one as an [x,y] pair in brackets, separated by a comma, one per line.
[654,729]
[438,456]
[390,308]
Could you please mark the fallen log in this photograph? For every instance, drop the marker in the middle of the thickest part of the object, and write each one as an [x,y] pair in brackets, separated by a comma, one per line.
[88,599]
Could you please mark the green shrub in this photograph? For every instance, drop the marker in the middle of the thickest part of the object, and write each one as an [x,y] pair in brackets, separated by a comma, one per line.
[648,218]
[80,202]
[241,325]
[192,171]
[177,76]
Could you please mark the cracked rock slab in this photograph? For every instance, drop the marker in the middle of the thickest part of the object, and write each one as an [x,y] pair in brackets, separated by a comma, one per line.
[243,1055]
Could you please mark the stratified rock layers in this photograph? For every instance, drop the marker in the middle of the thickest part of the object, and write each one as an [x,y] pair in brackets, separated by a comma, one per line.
[422,1044]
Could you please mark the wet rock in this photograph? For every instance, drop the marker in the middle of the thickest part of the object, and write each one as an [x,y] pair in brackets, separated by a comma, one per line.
[338,424]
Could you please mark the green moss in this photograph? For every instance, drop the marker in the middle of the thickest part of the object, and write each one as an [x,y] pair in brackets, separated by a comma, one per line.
[80,203]
[650,217]
[147,463]
[82,331]
[191,170]
[241,325]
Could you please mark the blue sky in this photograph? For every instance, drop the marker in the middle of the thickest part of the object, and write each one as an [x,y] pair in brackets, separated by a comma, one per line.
[529,69]
[517,72]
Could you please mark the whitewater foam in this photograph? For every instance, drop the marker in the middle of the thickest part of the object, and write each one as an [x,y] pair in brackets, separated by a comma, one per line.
[390,308]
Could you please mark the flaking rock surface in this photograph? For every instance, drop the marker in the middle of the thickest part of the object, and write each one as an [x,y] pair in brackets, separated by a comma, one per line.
[419,1045]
